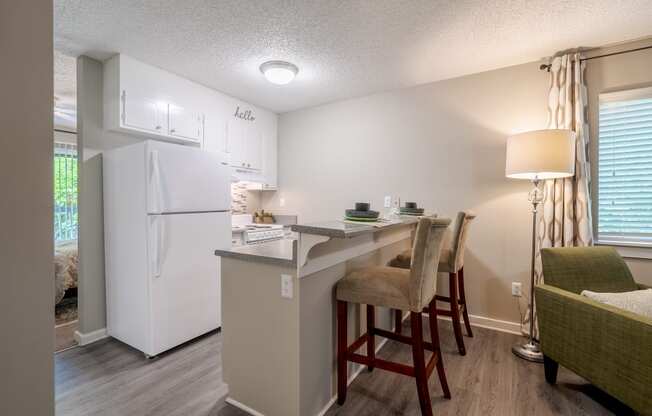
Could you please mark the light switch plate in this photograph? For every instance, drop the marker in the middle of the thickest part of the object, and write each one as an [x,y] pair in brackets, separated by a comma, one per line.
[287,289]
[516,289]
[388,201]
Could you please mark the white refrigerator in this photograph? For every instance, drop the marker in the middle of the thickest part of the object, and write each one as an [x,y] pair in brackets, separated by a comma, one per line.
[166,210]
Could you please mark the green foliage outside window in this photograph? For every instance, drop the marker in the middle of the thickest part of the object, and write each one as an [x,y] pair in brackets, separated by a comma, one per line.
[65,192]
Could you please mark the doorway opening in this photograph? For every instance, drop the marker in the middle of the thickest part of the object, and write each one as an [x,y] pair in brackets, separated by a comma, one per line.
[66,254]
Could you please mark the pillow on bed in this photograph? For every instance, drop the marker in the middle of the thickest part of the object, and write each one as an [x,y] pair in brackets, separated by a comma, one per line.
[637,301]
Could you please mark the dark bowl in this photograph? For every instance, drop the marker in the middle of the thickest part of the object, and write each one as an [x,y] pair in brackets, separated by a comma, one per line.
[412,210]
[362,206]
[361,214]
[411,205]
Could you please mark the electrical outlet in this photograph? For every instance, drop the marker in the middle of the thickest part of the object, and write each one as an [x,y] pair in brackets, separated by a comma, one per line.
[281,202]
[388,201]
[287,291]
[516,289]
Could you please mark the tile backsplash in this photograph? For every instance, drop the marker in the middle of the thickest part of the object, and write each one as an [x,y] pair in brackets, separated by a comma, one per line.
[242,200]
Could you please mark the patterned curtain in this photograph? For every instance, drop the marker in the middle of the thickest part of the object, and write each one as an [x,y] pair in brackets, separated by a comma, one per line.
[564,217]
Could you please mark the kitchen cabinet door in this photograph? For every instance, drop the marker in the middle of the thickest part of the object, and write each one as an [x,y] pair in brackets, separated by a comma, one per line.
[236,146]
[185,124]
[254,149]
[143,113]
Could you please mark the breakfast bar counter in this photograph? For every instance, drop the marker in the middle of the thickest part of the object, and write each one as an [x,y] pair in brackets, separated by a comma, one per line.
[278,312]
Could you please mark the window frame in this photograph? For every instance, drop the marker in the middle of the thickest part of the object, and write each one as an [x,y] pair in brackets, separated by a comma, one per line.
[628,246]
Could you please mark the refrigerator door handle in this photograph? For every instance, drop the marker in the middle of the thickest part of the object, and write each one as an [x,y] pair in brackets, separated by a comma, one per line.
[158,234]
[155,183]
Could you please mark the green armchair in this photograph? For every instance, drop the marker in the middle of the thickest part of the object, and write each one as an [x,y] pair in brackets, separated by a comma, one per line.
[608,346]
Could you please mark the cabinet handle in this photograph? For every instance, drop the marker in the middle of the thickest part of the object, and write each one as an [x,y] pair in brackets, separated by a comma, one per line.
[158,127]
[172,130]
[248,165]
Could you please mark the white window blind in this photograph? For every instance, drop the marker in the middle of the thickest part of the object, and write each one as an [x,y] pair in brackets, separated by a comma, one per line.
[625,167]
[65,192]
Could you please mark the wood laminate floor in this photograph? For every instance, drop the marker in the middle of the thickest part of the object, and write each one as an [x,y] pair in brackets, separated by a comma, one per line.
[110,378]
[489,380]
[64,336]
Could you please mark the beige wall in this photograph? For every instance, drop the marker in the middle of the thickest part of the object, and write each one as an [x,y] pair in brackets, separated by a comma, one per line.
[442,145]
[615,73]
[26,242]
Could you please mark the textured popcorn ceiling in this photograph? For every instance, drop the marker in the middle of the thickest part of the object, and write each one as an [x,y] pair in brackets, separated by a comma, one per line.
[343,48]
[65,78]
[65,91]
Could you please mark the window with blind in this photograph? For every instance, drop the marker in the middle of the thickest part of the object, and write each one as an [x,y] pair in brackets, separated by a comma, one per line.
[625,167]
[65,192]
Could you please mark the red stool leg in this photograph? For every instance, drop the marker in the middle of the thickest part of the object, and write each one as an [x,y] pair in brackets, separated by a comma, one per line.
[371,339]
[455,313]
[434,335]
[465,313]
[341,352]
[420,364]
[398,321]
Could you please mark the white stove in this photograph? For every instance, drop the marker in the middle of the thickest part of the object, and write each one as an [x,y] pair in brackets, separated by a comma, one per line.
[260,233]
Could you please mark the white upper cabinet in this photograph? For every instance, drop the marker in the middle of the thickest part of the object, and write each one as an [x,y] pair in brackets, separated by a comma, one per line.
[254,149]
[245,145]
[146,102]
[143,113]
[185,124]
[149,102]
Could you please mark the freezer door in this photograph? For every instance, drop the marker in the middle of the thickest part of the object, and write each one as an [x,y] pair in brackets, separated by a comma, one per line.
[185,276]
[186,179]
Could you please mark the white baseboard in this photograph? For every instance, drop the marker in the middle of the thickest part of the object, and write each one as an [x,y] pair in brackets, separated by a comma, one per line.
[496,324]
[490,323]
[243,407]
[91,337]
[487,323]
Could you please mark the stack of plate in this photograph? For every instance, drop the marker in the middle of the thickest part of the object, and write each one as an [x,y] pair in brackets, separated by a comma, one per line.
[411,208]
[361,213]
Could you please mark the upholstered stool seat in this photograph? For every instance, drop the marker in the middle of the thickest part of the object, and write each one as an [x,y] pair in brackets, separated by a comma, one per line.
[410,289]
[451,261]
[379,286]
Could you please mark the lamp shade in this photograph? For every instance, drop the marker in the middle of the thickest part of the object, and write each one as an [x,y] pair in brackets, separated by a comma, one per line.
[541,154]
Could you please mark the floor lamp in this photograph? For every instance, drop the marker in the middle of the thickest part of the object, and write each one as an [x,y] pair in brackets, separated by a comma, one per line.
[538,155]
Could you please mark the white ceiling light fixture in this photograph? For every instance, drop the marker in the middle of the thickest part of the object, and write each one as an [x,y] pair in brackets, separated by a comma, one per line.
[279,72]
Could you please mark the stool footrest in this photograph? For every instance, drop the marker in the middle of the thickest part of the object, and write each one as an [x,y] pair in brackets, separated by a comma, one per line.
[434,358]
[357,344]
[382,364]
[400,338]
[448,312]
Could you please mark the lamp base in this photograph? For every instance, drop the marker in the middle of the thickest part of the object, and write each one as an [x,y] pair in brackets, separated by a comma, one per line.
[529,351]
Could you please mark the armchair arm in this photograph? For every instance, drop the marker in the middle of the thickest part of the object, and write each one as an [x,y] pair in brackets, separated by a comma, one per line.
[610,347]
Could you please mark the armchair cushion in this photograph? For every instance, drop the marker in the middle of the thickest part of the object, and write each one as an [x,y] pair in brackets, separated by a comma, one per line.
[599,269]
[638,301]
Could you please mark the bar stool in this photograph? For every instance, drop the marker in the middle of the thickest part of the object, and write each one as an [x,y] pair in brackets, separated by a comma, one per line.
[406,289]
[451,261]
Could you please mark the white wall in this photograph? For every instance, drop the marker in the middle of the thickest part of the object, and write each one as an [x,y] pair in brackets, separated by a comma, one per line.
[440,144]
[26,241]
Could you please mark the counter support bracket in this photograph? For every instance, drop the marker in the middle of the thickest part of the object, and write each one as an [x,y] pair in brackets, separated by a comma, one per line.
[306,243]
